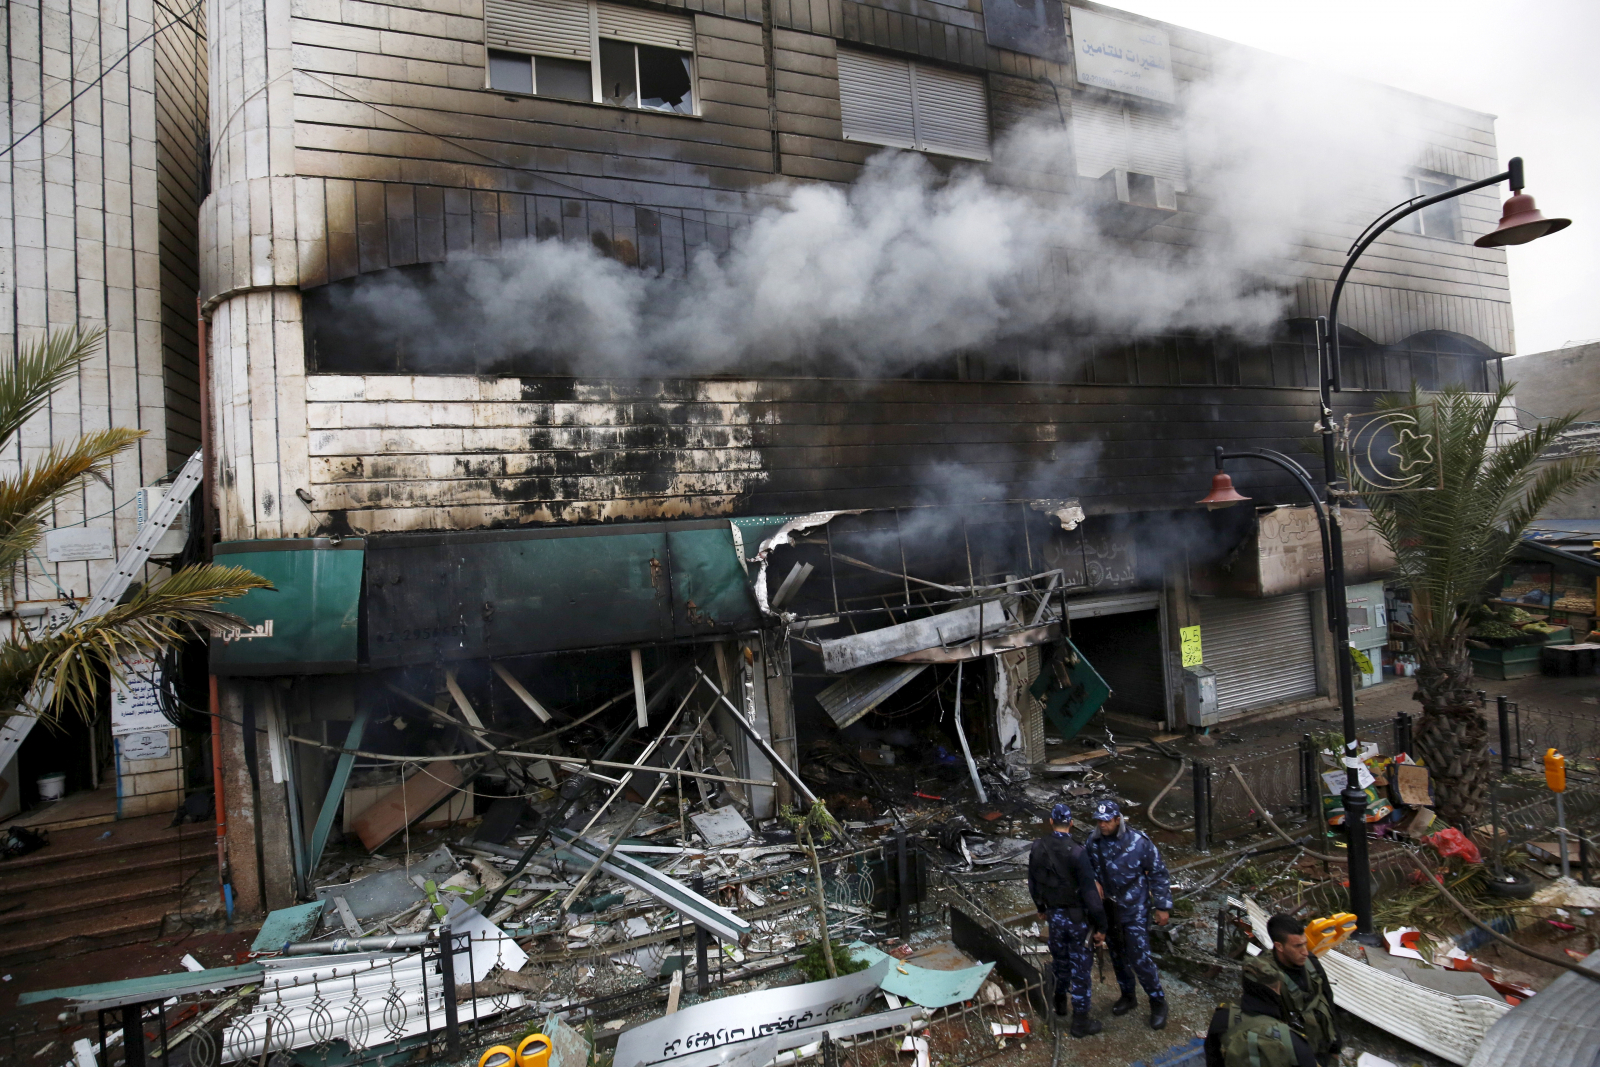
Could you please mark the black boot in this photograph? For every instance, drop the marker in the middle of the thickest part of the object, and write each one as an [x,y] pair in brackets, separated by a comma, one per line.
[1083,1026]
[1061,1002]
[1125,1004]
[1158,1013]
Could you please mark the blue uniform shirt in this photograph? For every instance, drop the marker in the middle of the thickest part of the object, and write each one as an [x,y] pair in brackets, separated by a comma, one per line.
[1130,870]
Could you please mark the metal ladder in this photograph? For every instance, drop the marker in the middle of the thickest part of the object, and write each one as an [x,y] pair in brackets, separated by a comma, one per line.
[16,727]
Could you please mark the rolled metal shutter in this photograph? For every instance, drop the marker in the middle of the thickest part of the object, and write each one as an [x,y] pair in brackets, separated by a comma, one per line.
[558,28]
[875,99]
[1099,137]
[1261,650]
[1155,146]
[952,112]
[639,26]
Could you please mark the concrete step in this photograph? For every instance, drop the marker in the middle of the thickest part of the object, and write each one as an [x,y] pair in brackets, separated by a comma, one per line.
[142,921]
[87,866]
[96,899]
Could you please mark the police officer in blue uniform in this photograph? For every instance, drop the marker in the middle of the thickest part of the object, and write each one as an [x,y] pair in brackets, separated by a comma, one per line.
[1064,891]
[1136,887]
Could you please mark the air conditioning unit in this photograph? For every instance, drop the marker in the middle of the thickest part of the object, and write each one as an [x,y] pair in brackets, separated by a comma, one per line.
[1141,190]
[171,543]
[1132,202]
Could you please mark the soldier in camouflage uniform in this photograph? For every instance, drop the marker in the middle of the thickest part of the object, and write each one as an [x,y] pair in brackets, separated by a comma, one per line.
[1257,1032]
[1136,887]
[1063,888]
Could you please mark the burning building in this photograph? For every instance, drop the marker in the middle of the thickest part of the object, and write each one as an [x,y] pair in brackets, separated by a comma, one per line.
[555,345]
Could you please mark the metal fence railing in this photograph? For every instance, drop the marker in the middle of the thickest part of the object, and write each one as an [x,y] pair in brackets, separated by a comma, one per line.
[1280,778]
[381,1008]
[1284,780]
[1521,732]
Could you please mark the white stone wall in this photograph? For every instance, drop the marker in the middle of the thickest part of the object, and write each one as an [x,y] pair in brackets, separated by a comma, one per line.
[248,233]
[447,452]
[79,246]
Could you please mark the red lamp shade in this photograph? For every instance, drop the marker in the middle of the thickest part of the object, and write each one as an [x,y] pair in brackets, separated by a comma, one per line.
[1222,494]
[1520,222]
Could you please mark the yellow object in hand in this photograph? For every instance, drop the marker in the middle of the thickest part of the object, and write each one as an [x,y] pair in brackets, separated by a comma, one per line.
[1323,934]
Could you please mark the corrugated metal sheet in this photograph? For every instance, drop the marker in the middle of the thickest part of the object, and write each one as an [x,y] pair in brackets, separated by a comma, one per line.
[1558,1028]
[860,691]
[563,28]
[952,112]
[875,99]
[641,26]
[1261,650]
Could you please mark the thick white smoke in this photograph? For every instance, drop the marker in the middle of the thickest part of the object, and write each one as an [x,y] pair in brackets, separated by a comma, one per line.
[912,263]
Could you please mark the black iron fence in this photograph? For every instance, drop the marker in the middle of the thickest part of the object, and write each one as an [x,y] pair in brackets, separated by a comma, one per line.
[1234,795]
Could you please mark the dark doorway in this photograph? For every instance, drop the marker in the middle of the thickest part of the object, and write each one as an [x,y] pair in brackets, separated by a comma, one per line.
[1126,649]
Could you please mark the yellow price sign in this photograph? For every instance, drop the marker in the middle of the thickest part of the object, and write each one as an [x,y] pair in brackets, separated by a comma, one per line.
[1189,636]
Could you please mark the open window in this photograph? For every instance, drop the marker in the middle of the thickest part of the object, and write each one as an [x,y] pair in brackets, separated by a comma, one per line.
[592,50]
[1442,220]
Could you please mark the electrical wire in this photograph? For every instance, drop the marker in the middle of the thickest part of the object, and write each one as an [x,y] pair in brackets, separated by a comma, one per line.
[102,76]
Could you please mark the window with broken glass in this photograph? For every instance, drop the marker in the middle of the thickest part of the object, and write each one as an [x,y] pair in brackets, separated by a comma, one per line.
[592,50]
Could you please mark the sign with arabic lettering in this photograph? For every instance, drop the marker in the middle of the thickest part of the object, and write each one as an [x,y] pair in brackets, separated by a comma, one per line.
[1189,641]
[135,705]
[1125,56]
[749,1018]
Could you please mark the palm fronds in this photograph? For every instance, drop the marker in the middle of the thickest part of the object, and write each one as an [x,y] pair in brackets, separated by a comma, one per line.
[26,497]
[1453,540]
[65,668]
[62,670]
[41,368]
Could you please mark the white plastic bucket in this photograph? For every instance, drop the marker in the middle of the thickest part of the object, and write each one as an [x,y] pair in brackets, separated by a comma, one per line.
[52,787]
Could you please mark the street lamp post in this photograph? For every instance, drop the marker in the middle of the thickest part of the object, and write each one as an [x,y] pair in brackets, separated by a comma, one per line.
[1520,222]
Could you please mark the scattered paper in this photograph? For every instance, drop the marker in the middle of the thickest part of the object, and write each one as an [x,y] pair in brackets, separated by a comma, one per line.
[1402,942]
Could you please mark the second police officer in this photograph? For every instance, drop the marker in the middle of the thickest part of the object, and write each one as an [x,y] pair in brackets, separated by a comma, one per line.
[1129,868]
[1063,888]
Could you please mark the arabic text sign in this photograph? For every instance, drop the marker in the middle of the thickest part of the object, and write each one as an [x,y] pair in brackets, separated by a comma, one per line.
[72,543]
[1190,638]
[1124,56]
[135,706]
[749,1017]
[154,744]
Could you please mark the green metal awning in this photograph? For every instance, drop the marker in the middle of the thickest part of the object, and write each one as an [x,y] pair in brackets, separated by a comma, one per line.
[454,596]
[145,990]
[309,622]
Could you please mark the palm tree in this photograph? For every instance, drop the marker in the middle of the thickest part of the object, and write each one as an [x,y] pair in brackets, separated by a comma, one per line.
[1450,542]
[53,672]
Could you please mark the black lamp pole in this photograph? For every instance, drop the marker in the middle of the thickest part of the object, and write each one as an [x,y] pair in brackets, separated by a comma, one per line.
[1520,222]
[1355,798]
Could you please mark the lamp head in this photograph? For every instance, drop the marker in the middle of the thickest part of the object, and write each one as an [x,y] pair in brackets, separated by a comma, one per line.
[1520,222]
[1222,494]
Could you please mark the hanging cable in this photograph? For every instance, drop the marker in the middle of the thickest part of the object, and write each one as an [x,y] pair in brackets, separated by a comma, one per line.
[102,76]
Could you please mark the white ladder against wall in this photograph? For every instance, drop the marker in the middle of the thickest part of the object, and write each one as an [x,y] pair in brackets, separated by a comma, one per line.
[131,564]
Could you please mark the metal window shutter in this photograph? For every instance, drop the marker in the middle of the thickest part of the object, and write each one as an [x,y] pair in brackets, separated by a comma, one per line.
[559,28]
[1260,649]
[952,112]
[1099,137]
[639,26]
[875,99]
[1155,146]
